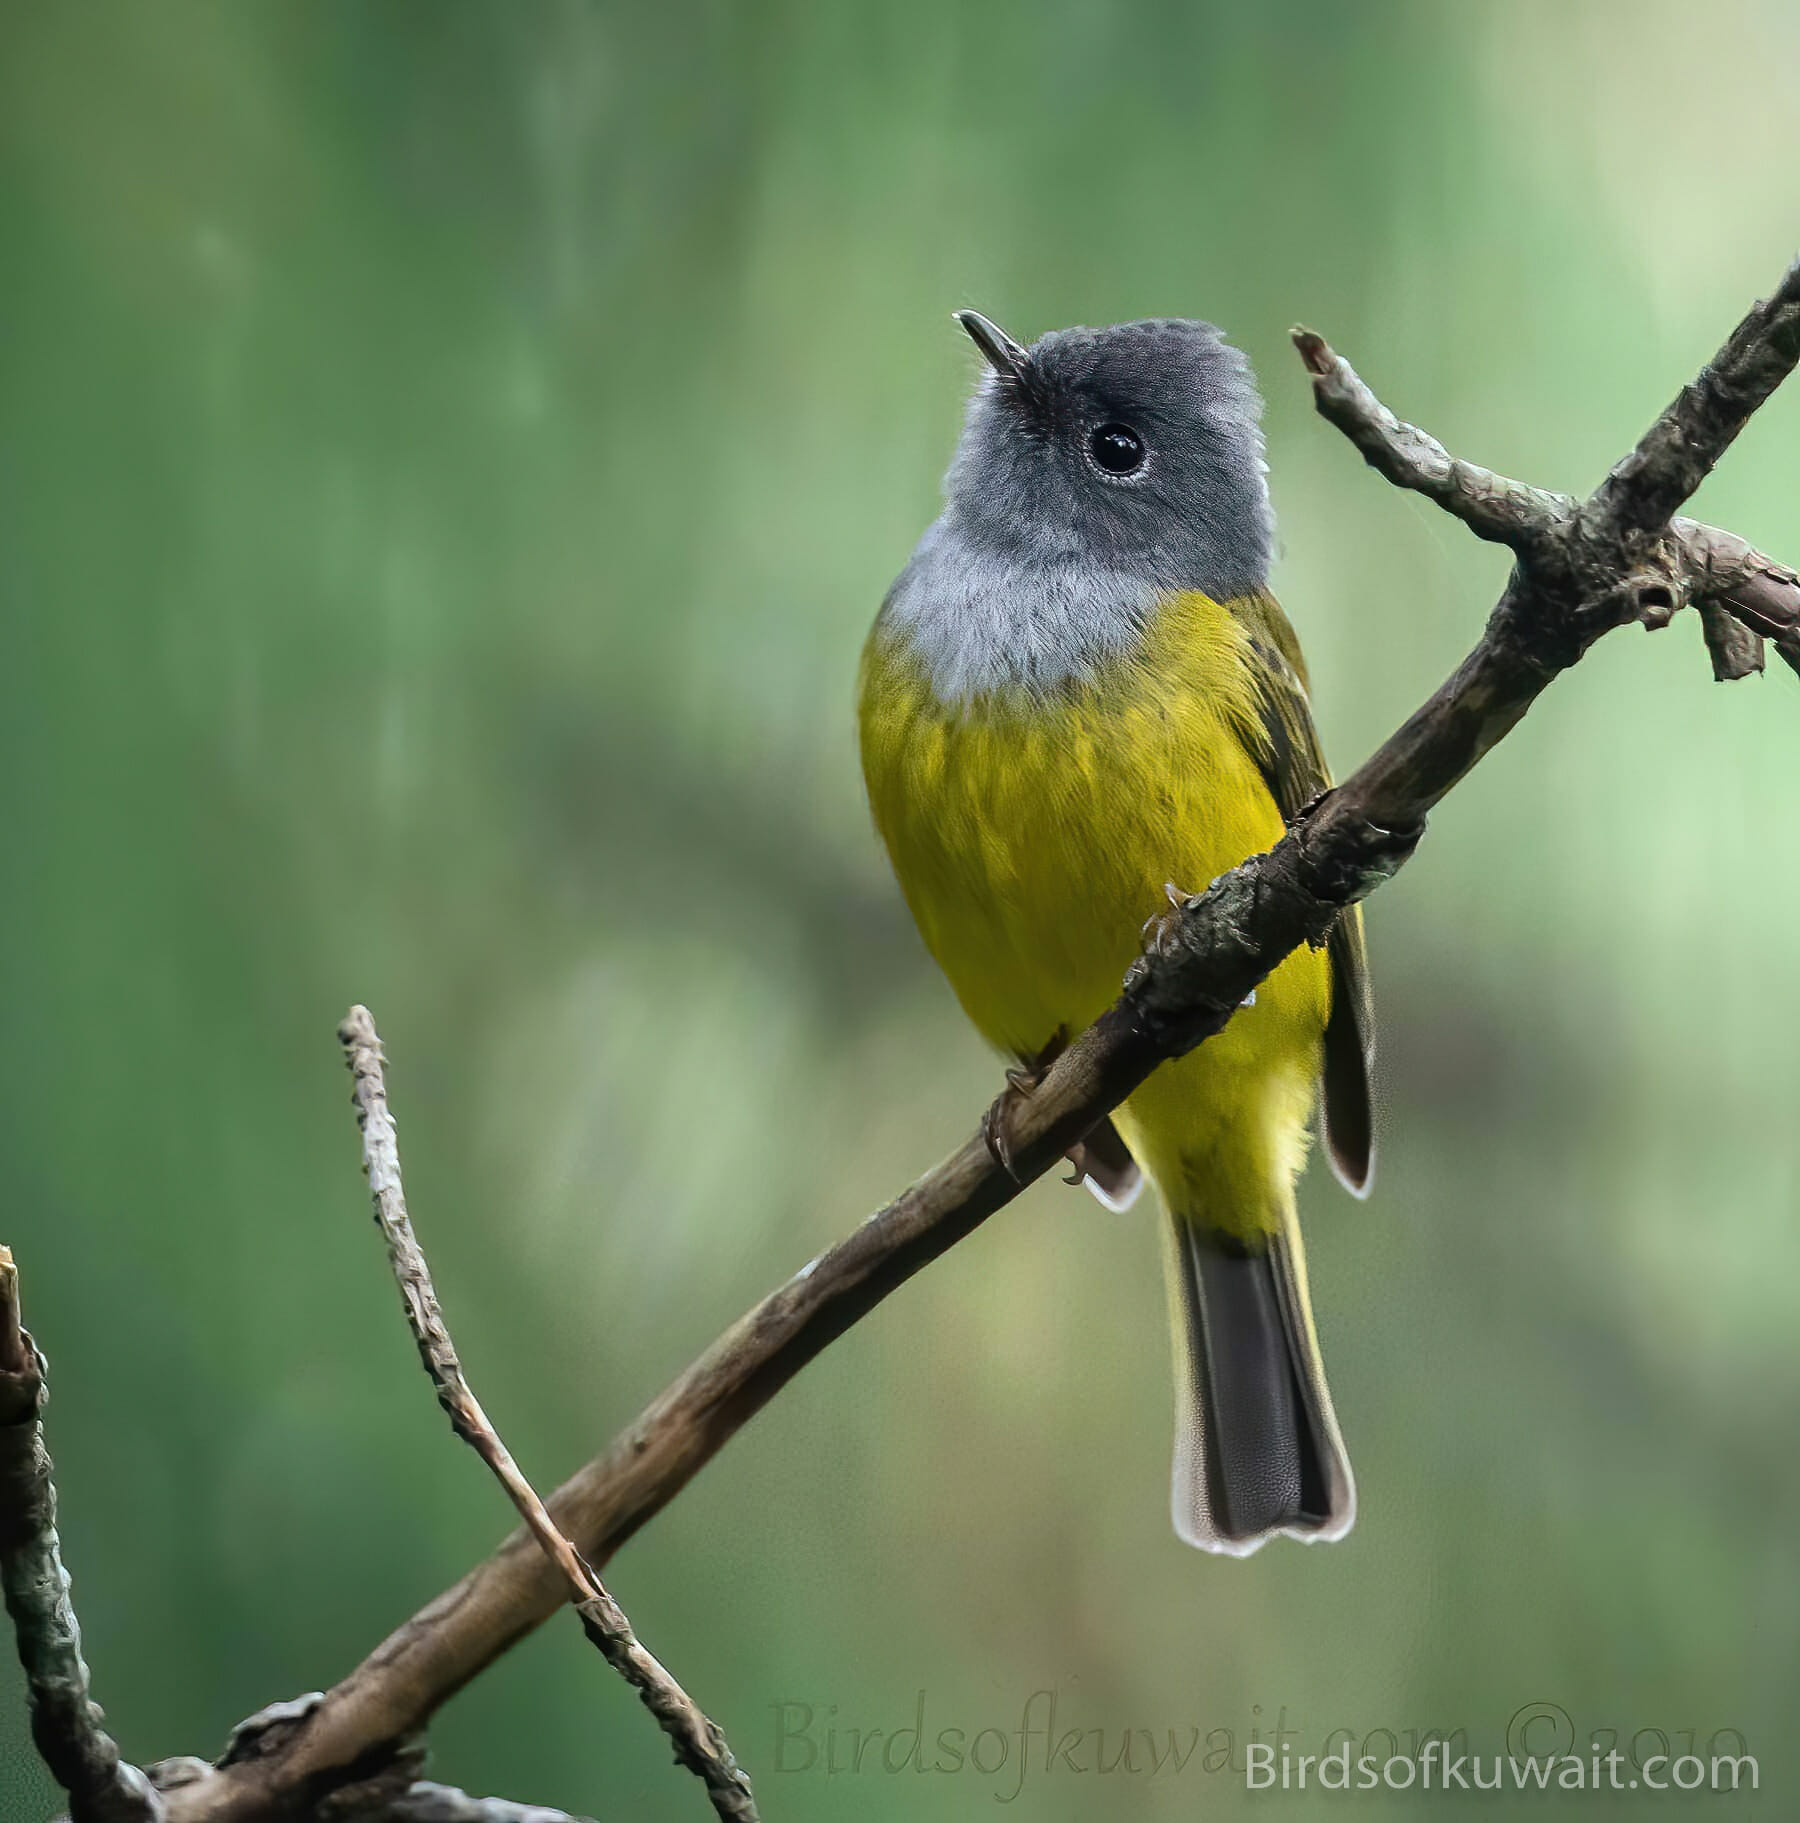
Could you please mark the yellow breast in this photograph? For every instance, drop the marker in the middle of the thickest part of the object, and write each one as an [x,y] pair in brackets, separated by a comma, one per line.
[1032,836]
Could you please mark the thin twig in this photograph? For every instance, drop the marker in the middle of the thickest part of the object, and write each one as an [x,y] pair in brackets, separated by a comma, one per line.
[698,1743]
[66,1723]
[1580,573]
[1491,506]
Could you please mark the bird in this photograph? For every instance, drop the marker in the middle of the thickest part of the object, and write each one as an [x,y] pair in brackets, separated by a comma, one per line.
[1079,696]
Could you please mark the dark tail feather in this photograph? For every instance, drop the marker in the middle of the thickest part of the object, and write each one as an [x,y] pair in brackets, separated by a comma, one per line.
[1257,1449]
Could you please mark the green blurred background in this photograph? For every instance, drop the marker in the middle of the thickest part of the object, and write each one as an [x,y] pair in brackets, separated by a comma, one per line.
[449,456]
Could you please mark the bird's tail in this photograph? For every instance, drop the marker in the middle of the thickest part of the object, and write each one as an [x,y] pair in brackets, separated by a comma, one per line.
[1257,1448]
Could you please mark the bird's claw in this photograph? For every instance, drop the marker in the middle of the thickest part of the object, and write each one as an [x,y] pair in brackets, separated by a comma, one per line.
[993,1128]
[1160,926]
[1022,1080]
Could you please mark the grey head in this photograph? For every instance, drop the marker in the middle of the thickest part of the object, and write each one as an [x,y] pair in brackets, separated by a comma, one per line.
[1098,470]
[1138,445]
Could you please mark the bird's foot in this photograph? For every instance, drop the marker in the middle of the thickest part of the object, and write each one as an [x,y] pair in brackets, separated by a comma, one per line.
[993,1131]
[1160,927]
[1022,1081]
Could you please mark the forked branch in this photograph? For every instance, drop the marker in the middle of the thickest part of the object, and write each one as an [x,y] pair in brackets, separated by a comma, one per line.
[1581,568]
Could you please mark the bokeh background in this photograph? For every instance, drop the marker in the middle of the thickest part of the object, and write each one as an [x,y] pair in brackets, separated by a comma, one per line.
[449,456]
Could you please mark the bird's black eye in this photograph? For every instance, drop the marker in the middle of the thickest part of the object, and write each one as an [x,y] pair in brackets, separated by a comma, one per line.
[1117,448]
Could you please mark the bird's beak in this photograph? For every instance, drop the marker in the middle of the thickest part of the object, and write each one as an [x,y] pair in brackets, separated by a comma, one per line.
[1003,354]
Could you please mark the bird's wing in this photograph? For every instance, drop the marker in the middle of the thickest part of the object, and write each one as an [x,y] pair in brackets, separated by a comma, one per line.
[1294,769]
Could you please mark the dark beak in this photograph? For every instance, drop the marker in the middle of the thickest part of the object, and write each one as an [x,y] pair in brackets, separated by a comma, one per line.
[1003,354]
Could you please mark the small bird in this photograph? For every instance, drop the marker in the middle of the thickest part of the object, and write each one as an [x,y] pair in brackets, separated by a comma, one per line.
[1079,691]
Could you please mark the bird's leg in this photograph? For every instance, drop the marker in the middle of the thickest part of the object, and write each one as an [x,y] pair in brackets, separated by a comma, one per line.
[1022,1080]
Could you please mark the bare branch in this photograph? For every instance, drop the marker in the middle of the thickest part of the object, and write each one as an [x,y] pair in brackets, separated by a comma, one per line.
[699,1745]
[1580,573]
[1717,570]
[19,1361]
[1735,651]
[444,1804]
[66,1724]
[391,1795]
[1681,448]
[1492,507]
[1759,592]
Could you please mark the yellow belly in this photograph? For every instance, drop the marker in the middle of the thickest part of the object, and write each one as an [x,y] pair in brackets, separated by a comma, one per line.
[1032,839]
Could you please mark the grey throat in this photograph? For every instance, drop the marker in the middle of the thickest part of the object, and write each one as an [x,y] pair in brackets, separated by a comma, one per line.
[981,622]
